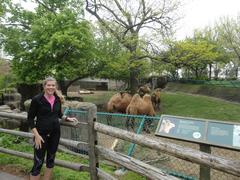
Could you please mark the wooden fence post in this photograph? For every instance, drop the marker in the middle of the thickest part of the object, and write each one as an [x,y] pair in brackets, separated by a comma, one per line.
[205,170]
[92,141]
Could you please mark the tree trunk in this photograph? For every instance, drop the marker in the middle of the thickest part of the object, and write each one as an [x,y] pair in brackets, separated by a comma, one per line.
[236,73]
[210,71]
[196,73]
[134,71]
[63,87]
[133,80]
[216,72]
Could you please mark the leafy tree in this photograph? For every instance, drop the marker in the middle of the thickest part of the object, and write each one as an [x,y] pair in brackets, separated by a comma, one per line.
[133,24]
[52,40]
[113,56]
[228,29]
[194,54]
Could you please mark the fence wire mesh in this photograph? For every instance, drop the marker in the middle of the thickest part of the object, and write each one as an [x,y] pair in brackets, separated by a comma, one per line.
[76,133]
[145,125]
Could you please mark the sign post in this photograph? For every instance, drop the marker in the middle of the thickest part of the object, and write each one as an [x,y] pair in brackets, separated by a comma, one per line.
[205,173]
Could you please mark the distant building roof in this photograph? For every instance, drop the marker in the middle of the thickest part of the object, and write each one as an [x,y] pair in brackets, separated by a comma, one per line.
[89,79]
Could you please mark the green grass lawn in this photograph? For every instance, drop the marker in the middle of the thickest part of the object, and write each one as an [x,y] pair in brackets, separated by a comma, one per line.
[24,165]
[199,107]
[99,97]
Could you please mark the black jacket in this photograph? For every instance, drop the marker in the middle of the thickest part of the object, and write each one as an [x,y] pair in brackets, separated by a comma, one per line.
[47,119]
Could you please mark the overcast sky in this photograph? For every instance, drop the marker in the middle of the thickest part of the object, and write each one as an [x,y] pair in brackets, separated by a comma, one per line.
[201,13]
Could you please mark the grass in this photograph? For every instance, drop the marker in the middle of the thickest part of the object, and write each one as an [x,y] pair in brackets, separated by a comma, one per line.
[22,145]
[227,93]
[99,97]
[199,107]
[14,143]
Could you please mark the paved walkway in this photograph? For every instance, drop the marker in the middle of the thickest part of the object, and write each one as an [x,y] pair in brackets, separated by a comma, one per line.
[6,176]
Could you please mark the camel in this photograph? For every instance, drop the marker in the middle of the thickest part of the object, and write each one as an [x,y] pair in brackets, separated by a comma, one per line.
[143,90]
[118,103]
[155,97]
[140,106]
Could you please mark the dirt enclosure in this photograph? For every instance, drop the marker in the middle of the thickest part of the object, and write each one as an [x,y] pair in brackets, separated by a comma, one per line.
[176,166]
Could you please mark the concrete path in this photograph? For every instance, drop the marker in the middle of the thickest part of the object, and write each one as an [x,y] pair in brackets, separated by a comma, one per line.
[6,176]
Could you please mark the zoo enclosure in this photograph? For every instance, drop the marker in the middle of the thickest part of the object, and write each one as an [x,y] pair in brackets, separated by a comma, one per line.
[169,163]
[95,150]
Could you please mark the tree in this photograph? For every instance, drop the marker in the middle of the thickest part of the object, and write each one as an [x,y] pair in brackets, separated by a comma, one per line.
[128,21]
[52,40]
[228,29]
[211,35]
[114,57]
[194,54]
[112,54]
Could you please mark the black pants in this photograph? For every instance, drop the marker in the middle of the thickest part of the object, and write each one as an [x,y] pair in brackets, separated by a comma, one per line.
[51,141]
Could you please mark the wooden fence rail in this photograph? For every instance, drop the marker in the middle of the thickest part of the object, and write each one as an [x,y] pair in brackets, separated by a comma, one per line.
[94,150]
[134,164]
[66,142]
[121,159]
[188,154]
[61,163]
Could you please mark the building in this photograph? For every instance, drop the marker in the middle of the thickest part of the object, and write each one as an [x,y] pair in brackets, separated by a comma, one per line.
[97,84]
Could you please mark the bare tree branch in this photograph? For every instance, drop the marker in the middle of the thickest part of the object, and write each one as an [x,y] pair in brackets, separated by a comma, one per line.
[17,24]
[45,6]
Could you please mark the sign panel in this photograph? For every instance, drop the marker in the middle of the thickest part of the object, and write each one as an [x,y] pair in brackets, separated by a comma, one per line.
[216,133]
[236,136]
[219,133]
[182,128]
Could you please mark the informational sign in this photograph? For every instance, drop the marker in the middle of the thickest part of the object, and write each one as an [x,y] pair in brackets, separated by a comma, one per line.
[205,131]
[223,134]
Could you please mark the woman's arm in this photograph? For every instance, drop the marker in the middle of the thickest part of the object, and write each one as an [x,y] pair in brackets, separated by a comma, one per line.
[32,113]
[64,117]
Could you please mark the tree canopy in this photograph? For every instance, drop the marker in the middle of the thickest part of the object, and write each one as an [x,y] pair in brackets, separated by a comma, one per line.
[52,40]
[194,54]
[229,38]
[130,22]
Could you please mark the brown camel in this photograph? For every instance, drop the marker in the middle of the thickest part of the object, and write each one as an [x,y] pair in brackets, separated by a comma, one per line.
[140,106]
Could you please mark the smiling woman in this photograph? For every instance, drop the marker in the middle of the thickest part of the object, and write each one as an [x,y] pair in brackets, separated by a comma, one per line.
[47,108]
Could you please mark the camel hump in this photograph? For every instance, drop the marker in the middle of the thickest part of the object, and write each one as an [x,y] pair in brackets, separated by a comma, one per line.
[147,97]
[135,98]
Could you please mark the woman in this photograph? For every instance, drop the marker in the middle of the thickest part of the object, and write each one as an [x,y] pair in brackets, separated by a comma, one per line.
[46,107]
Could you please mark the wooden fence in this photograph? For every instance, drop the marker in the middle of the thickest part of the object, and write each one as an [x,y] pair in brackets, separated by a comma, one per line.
[94,151]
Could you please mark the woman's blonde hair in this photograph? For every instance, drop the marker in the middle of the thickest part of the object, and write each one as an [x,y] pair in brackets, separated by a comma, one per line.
[57,92]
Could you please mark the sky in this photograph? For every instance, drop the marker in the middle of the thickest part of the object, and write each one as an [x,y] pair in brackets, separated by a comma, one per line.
[197,14]
[202,13]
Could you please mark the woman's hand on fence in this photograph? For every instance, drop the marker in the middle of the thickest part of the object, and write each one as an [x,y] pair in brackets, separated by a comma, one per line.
[38,142]
[71,119]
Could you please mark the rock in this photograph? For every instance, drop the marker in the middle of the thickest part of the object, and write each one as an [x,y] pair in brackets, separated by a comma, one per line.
[4,108]
[27,104]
